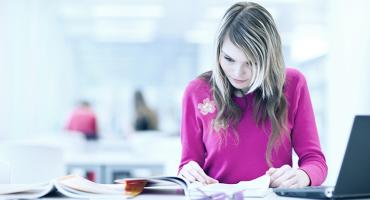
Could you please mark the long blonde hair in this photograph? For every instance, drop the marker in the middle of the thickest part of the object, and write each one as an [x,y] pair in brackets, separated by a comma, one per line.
[251,28]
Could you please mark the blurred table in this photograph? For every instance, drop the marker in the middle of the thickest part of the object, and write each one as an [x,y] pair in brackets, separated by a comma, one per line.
[140,156]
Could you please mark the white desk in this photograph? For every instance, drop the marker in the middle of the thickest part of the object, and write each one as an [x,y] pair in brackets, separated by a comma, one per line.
[168,196]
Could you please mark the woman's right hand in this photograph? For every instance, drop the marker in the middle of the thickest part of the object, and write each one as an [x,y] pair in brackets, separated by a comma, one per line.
[193,172]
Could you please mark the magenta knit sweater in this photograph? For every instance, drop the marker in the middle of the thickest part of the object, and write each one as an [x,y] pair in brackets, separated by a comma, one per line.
[244,159]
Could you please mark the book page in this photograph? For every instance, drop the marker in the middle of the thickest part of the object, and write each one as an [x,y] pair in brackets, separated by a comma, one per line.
[24,191]
[84,185]
[16,188]
[159,182]
[254,188]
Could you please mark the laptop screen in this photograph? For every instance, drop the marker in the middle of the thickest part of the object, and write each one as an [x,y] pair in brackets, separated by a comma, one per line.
[354,175]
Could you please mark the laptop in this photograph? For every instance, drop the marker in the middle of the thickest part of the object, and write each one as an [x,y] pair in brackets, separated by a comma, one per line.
[354,174]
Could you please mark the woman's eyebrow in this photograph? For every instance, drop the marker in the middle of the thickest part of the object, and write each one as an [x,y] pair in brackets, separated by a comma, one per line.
[248,61]
[227,55]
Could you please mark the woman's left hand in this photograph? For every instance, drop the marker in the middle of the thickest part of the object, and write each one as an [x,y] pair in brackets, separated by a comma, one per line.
[287,177]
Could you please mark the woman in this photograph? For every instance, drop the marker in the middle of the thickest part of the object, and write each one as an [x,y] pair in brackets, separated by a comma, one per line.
[145,118]
[84,120]
[243,119]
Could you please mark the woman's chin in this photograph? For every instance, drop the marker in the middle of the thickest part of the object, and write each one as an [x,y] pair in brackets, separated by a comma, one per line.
[240,86]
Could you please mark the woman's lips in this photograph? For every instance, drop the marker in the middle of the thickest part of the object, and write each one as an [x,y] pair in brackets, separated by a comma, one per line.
[238,81]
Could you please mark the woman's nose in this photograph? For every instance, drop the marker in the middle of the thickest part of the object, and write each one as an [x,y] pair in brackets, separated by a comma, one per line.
[239,71]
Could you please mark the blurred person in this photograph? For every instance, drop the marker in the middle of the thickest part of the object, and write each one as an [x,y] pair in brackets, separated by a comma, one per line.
[144,117]
[84,120]
[244,118]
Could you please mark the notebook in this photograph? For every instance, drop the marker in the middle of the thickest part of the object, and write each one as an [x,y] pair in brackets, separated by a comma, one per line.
[354,175]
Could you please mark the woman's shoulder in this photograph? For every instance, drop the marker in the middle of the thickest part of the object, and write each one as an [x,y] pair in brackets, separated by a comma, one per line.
[293,74]
[294,79]
[201,84]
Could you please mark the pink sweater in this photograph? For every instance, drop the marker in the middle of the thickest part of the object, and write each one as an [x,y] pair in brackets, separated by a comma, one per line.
[245,160]
[83,120]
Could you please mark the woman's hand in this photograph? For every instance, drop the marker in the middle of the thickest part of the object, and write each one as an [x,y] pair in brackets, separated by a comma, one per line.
[287,177]
[193,172]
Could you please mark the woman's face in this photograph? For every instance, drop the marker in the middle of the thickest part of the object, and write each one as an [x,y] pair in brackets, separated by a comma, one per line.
[235,64]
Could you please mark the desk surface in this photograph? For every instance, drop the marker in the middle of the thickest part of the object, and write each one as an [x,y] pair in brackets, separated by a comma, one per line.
[169,196]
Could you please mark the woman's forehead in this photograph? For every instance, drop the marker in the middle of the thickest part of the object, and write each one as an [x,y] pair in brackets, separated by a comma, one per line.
[231,50]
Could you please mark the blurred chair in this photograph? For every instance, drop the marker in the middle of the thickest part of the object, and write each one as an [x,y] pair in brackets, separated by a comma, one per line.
[32,163]
[4,172]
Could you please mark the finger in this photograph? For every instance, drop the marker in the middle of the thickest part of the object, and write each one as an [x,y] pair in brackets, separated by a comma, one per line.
[207,179]
[270,171]
[195,165]
[188,176]
[199,173]
[290,174]
[284,178]
[294,186]
[184,173]
[287,183]
[303,178]
[212,180]
[198,176]
[279,171]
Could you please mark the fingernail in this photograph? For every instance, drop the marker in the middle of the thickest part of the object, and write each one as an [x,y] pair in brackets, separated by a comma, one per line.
[210,181]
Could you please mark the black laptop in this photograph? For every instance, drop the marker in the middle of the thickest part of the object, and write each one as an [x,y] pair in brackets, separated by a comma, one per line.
[354,176]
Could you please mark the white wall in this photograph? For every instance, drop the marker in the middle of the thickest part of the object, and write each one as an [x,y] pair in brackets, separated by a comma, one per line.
[35,75]
[348,75]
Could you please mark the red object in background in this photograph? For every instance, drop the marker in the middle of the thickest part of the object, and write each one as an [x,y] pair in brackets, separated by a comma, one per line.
[83,119]
[90,175]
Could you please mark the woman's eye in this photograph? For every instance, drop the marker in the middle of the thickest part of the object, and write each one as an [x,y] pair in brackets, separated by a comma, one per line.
[228,59]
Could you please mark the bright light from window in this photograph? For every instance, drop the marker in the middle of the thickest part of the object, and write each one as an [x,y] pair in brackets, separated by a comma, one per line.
[129,11]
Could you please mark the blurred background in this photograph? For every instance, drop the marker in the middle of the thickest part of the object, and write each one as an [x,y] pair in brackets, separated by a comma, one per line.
[58,55]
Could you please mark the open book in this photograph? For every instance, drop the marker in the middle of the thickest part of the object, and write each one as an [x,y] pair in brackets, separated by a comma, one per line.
[77,187]
[258,187]
[70,186]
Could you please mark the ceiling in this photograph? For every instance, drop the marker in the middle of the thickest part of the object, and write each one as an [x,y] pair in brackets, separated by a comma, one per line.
[193,21]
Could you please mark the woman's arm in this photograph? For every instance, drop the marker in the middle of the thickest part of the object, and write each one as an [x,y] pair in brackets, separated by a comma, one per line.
[305,139]
[193,150]
[191,129]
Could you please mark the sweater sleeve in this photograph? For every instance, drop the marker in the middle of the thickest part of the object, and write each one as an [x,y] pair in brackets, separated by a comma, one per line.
[305,138]
[191,129]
